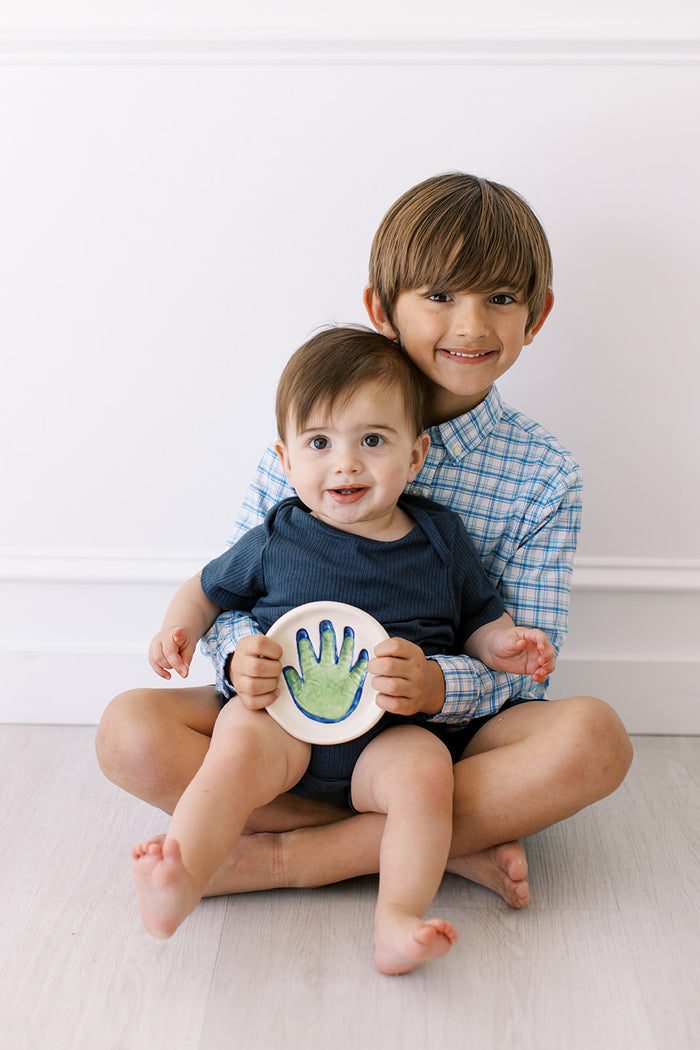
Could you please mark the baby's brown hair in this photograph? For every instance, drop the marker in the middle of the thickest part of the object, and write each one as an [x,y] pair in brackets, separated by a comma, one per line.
[331,366]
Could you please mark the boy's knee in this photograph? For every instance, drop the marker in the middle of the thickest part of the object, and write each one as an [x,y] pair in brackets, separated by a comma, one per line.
[604,743]
[122,735]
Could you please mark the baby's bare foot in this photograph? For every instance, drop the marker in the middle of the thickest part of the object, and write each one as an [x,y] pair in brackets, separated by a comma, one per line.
[502,869]
[403,942]
[165,891]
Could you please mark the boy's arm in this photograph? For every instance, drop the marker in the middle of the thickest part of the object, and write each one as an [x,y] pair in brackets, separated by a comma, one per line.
[268,487]
[188,616]
[535,586]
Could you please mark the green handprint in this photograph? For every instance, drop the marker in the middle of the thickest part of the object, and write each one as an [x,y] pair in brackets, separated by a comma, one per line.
[329,688]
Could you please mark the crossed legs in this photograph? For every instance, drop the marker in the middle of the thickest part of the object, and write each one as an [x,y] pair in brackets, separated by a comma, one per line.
[526,769]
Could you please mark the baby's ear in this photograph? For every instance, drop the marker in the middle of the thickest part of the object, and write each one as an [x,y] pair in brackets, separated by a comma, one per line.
[283,455]
[377,313]
[420,451]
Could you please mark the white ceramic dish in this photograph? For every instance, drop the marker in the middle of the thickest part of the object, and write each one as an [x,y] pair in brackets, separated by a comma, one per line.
[330,699]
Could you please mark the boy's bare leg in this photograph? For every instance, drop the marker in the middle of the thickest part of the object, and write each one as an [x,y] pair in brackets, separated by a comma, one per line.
[250,761]
[538,764]
[532,766]
[151,742]
[406,773]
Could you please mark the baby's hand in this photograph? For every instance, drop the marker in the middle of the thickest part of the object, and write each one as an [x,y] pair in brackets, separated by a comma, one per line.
[254,670]
[524,650]
[172,649]
[407,683]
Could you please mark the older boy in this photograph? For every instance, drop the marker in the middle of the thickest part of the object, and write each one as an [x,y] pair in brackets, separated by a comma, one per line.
[460,275]
[349,412]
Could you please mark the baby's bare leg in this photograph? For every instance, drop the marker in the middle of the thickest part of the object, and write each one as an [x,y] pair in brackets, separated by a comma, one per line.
[406,773]
[526,769]
[251,760]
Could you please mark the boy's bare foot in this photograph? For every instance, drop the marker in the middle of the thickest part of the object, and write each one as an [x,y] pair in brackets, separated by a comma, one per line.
[403,942]
[164,888]
[502,869]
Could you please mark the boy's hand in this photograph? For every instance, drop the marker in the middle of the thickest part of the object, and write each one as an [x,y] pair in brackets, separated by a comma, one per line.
[254,670]
[523,650]
[407,683]
[172,649]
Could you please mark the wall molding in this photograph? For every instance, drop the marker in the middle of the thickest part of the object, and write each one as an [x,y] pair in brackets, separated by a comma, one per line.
[670,575]
[227,48]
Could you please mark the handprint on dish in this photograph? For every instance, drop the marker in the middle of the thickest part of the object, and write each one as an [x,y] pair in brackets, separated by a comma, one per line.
[330,686]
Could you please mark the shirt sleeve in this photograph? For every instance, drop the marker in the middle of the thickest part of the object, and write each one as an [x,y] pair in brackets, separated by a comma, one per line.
[268,487]
[235,579]
[477,600]
[535,585]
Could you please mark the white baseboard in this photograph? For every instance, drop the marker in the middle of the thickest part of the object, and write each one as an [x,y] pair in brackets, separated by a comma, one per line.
[632,639]
[74,687]
[650,696]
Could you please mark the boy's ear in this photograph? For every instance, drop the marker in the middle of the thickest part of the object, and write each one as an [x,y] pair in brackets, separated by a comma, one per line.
[377,314]
[548,304]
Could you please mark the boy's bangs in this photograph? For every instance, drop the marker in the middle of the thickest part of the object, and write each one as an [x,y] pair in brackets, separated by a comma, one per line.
[480,253]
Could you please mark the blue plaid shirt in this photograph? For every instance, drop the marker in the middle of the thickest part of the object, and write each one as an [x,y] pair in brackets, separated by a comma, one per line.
[518,492]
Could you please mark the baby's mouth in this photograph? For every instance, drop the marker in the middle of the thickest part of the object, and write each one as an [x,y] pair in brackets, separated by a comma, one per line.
[348,494]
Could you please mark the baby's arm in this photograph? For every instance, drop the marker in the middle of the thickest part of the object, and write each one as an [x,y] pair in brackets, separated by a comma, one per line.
[267,488]
[189,615]
[520,650]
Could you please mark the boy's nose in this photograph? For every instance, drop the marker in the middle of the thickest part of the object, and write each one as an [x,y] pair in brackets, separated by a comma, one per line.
[470,322]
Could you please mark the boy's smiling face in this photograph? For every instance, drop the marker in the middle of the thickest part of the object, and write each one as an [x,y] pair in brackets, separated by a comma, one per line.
[461,341]
[349,465]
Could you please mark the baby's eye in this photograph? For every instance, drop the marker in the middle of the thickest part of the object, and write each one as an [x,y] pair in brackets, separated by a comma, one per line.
[319,442]
[372,440]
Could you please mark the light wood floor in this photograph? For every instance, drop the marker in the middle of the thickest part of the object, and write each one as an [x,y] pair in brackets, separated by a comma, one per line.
[607,956]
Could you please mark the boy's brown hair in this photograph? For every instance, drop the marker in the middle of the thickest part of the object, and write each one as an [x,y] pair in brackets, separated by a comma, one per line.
[332,366]
[457,232]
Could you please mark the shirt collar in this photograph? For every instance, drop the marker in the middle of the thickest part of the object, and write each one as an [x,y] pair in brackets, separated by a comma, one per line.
[463,434]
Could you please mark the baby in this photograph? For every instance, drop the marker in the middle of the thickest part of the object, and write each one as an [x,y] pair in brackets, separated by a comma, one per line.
[350,415]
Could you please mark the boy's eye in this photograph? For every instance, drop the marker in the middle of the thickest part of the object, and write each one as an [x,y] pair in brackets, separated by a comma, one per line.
[372,440]
[502,299]
[319,442]
[439,297]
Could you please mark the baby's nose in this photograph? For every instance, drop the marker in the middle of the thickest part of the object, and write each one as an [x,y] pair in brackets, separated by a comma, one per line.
[347,461]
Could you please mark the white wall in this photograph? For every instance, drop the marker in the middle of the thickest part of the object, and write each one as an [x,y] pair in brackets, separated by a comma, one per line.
[186,195]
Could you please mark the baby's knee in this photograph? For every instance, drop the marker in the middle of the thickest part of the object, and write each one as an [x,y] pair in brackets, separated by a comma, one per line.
[433,778]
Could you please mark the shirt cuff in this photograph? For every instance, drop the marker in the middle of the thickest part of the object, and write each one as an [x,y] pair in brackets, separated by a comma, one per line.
[473,690]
